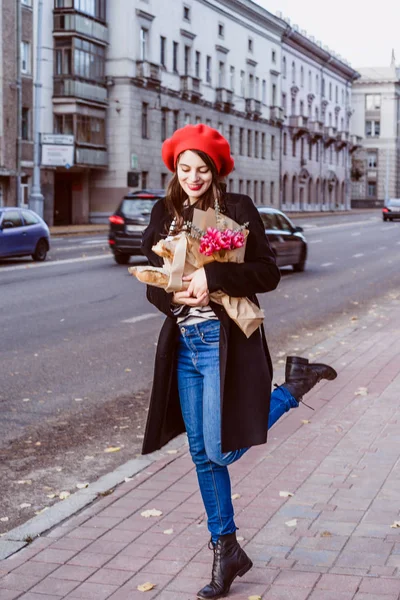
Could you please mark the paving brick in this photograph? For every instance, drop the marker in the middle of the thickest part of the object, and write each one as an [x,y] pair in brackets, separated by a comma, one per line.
[87,533]
[88,559]
[362,596]
[102,546]
[9,594]
[277,592]
[323,558]
[164,566]
[35,569]
[372,585]
[340,583]
[330,595]
[111,577]
[14,581]
[67,543]
[297,579]
[72,572]
[93,591]
[55,587]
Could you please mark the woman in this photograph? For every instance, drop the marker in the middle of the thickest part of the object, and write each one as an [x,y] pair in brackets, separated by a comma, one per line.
[209,379]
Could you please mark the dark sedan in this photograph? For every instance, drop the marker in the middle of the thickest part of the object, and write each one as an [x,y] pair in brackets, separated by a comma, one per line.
[23,233]
[392,210]
[128,223]
[286,239]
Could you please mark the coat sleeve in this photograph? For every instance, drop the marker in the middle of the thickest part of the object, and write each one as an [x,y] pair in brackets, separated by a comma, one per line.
[259,273]
[157,296]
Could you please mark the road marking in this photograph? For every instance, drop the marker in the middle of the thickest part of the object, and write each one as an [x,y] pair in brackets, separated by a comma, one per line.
[326,264]
[57,263]
[311,228]
[354,234]
[382,248]
[82,247]
[141,318]
[358,255]
[315,242]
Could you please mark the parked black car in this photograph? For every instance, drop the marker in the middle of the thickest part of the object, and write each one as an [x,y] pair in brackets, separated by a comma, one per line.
[286,239]
[129,221]
[392,210]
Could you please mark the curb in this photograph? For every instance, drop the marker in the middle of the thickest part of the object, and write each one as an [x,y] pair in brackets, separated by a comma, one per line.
[19,537]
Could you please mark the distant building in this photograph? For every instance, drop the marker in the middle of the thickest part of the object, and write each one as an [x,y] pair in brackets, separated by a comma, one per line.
[376,119]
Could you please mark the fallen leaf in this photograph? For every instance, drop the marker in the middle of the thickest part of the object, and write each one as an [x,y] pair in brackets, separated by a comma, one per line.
[51,496]
[145,587]
[39,512]
[152,512]
[326,534]
[25,505]
[64,495]
[89,457]
[82,486]
[291,523]
[128,370]
[305,421]
[235,496]
[112,449]
[78,399]
[27,481]
[255,598]
[168,531]
[26,399]
[395,525]
[172,451]
[354,318]
[128,479]
[4,519]
[38,444]
[285,494]
[240,538]
[362,391]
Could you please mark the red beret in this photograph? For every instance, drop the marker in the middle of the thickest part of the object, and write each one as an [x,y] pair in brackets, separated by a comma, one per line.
[199,137]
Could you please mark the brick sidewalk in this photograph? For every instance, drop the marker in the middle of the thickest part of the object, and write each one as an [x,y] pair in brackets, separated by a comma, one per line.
[342,467]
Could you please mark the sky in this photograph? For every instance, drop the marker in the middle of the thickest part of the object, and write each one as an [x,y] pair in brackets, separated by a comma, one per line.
[363,33]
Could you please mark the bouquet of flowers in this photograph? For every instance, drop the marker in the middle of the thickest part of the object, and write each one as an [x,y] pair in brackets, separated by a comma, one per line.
[209,237]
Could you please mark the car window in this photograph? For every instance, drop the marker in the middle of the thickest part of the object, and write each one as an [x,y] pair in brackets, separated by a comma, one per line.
[12,218]
[29,218]
[269,220]
[283,223]
[134,207]
[394,202]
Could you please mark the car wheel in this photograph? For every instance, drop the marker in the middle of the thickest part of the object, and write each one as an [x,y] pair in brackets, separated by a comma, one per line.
[121,259]
[384,218]
[300,266]
[40,251]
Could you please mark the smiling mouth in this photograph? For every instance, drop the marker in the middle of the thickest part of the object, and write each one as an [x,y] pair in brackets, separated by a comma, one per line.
[195,188]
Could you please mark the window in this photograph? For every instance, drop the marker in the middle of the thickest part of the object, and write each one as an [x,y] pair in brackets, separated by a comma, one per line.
[220,127]
[262,192]
[164,125]
[284,67]
[331,154]
[309,81]
[293,105]
[25,58]
[263,146]
[255,194]
[330,90]
[285,144]
[273,56]
[164,179]
[241,141]
[242,83]
[145,176]
[25,124]
[371,189]
[251,86]
[336,94]
[330,119]
[317,151]
[186,13]
[176,119]
[264,91]
[209,122]
[221,31]
[29,218]
[250,45]
[187,60]
[256,144]
[257,89]
[144,35]
[249,142]
[323,87]
[145,124]
[163,45]
[64,124]
[372,101]
[272,192]
[310,151]
[248,187]
[317,90]
[231,185]
[90,130]
[63,57]
[240,186]
[88,59]
[284,104]
[301,108]
[372,128]
[221,74]
[93,8]
[293,73]
[302,76]
[198,120]
[208,69]
[197,64]
[187,119]
[175,49]
[232,78]
[372,160]
[232,138]
[26,2]
[302,149]
[273,94]
[12,217]
[272,147]
[294,147]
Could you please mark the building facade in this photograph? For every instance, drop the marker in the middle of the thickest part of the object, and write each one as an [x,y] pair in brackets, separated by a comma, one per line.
[316,140]
[16,100]
[376,166]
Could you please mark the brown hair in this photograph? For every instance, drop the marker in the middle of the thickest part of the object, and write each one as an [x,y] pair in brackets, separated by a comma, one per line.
[176,197]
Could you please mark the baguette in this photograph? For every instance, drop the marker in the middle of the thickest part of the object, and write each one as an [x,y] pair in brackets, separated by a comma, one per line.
[150,275]
[161,249]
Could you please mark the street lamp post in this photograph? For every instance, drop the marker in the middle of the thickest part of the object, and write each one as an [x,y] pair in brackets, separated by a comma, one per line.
[36,199]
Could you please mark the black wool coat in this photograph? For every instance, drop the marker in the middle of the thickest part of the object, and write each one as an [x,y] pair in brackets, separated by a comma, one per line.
[245,364]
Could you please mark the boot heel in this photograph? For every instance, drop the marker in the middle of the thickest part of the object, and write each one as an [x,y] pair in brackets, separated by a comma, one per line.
[245,569]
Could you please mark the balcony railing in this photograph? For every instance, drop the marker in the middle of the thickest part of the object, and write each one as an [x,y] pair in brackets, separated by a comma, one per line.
[79,89]
[316,129]
[253,107]
[276,114]
[342,139]
[354,142]
[75,23]
[91,157]
[224,98]
[329,135]
[299,125]
[191,87]
[149,73]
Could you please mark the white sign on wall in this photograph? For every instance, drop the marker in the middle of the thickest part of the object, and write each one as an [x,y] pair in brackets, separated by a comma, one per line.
[57,139]
[57,156]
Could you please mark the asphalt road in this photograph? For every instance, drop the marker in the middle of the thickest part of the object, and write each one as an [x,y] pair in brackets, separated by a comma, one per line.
[78,338]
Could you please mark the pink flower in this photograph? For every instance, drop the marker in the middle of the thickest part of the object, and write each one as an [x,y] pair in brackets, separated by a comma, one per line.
[238,240]
[214,240]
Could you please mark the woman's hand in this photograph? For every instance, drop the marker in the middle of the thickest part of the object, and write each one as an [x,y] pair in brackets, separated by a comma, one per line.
[198,285]
[185,298]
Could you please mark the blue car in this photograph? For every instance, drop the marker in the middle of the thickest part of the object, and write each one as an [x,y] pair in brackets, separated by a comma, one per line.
[23,233]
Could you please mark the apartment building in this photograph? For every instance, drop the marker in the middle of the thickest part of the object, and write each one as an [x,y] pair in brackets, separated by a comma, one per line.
[376,166]
[16,88]
[316,140]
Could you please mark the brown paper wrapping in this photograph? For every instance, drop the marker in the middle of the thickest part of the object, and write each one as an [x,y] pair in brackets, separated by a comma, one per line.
[187,258]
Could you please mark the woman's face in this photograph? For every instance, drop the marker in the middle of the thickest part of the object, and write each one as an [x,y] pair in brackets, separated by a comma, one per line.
[193,174]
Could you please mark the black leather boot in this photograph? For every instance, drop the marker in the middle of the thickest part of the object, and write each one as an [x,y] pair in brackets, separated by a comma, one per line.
[230,561]
[301,375]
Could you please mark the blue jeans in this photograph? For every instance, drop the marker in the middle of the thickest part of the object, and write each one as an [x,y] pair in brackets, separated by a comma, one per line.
[199,392]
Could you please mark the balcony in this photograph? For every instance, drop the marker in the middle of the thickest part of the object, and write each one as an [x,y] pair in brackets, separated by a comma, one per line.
[253,107]
[74,23]
[342,139]
[79,89]
[91,157]
[224,99]
[354,142]
[316,130]
[190,88]
[276,114]
[148,73]
[299,125]
[329,135]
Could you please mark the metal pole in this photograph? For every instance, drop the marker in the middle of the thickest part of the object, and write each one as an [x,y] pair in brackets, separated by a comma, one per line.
[19,103]
[36,199]
[387,178]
